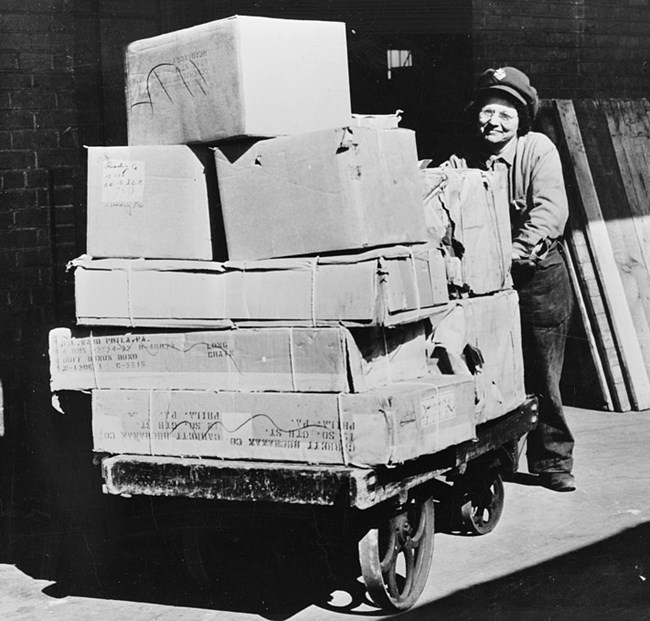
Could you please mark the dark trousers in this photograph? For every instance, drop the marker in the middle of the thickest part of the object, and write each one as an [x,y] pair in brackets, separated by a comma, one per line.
[546,304]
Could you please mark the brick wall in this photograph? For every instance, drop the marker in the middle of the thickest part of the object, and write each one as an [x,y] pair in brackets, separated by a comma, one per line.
[61,87]
[572,48]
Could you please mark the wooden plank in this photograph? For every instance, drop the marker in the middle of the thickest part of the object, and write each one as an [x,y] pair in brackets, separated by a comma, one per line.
[589,333]
[608,352]
[622,226]
[601,251]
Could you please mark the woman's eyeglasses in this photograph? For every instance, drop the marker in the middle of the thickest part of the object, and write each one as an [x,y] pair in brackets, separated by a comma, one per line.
[486,114]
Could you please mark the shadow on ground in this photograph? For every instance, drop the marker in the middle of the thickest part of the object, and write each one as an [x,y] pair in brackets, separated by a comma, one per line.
[606,580]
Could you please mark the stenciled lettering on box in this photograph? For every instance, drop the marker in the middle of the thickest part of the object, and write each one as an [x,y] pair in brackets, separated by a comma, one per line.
[438,408]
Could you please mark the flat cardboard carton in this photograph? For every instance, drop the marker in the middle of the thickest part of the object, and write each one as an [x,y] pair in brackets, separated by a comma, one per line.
[153,202]
[471,207]
[491,325]
[385,426]
[329,191]
[378,121]
[381,287]
[240,76]
[332,359]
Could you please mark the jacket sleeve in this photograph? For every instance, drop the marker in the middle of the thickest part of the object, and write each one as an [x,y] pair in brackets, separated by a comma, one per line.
[546,211]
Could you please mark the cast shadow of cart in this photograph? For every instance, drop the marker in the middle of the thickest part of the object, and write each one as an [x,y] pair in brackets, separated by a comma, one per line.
[181,552]
[606,580]
[266,559]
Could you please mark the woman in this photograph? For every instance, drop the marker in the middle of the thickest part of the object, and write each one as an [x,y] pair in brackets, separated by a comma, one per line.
[503,109]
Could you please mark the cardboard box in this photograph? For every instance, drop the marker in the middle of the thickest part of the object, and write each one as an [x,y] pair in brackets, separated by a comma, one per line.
[332,359]
[381,287]
[240,76]
[491,325]
[386,426]
[153,202]
[334,190]
[471,206]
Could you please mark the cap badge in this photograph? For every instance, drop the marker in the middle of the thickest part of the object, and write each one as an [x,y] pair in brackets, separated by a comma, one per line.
[500,74]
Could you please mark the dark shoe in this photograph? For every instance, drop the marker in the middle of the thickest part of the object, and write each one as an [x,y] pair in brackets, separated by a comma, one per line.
[557,481]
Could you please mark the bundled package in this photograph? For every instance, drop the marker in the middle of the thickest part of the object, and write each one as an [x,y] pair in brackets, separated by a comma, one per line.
[327,191]
[467,209]
[240,76]
[387,286]
[481,336]
[156,202]
[388,425]
[332,359]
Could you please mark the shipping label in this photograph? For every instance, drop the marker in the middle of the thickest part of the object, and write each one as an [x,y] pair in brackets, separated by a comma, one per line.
[123,183]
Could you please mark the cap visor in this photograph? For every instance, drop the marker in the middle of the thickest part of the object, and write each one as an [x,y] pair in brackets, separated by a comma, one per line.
[506,89]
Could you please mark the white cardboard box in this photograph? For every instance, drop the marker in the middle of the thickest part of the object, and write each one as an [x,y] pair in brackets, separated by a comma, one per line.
[240,76]
[332,359]
[381,287]
[490,324]
[386,426]
[328,191]
[152,202]
[474,204]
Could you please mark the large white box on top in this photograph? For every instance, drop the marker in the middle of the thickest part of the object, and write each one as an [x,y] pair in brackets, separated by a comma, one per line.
[327,191]
[240,76]
[152,202]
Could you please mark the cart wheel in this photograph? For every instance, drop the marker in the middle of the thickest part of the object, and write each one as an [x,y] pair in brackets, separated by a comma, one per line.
[396,557]
[480,500]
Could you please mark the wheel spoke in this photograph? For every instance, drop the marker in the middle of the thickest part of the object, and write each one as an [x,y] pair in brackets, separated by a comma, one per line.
[391,576]
[421,529]
[409,572]
[391,550]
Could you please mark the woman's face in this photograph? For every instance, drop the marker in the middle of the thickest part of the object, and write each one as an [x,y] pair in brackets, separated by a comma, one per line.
[498,122]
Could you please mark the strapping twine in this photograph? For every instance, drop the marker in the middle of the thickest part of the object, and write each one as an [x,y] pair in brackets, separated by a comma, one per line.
[292,367]
[93,357]
[386,358]
[345,453]
[415,284]
[150,408]
[314,271]
[129,295]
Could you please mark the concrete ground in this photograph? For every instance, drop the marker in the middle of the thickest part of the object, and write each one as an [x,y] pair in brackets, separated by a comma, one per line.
[581,555]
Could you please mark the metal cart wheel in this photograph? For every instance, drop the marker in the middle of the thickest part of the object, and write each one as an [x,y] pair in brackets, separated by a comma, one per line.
[396,556]
[479,501]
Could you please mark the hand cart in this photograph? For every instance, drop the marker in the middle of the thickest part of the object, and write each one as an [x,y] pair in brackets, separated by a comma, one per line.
[394,507]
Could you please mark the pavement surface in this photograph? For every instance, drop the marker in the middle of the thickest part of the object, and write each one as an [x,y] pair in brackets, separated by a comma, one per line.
[580,555]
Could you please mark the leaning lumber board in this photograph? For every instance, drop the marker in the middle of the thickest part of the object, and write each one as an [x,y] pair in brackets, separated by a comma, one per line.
[589,333]
[623,227]
[602,253]
[607,349]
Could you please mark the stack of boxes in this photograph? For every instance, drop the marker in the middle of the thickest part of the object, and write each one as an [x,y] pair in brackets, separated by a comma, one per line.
[263,280]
